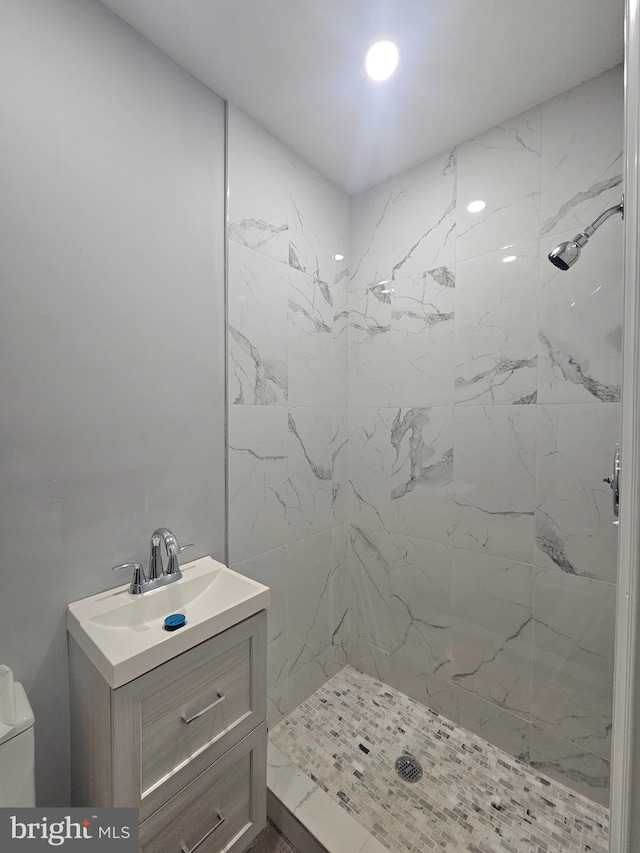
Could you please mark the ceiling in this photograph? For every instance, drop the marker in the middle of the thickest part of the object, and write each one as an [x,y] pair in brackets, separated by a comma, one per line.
[296,66]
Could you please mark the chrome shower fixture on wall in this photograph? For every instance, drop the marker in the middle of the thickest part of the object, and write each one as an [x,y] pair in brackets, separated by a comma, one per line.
[566,254]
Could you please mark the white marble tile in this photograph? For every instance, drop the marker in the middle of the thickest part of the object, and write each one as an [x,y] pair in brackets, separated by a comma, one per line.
[339,617]
[372,845]
[310,471]
[492,630]
[502,168]
[371,234]
[580,350]
[312,807]
[420,606]
[406,673]
[309,613]
[402,597]
[576,768]
[421,475]
[487,720]
[402,341]
[340,343]
[258,311]
[412,674]
[339,465]
[373,358]
[289,784]
[338,831]
[278,704]
[312,676]
[370,566]
[573,648]
[494,480]
[271,569]
[370,463]
[258,480]
[406,225]
[574,515]
[368,659]
[496,327]
[422,339]
[318,223]
[582,153]
[310,341]
[423,217]
[400,471]
[259,174]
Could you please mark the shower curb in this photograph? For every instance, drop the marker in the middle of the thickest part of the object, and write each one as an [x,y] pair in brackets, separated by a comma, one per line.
[307,816]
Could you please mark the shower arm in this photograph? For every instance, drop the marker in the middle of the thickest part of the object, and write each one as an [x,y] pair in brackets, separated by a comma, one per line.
[589,230]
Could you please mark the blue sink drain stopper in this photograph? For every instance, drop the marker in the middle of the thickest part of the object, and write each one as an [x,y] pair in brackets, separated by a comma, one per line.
[175,621]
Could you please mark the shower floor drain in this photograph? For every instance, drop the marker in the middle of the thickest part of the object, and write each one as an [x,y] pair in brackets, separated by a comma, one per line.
[409,768]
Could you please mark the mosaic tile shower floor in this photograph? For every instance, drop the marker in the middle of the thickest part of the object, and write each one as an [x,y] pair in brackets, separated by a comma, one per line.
[473,797]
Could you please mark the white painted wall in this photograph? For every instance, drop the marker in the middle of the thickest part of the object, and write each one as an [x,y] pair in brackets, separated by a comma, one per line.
[111,327]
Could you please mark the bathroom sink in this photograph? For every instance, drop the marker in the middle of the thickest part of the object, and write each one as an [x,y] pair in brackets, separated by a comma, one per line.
[124,635]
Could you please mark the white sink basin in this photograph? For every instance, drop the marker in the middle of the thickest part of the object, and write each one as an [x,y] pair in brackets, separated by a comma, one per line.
[124,636]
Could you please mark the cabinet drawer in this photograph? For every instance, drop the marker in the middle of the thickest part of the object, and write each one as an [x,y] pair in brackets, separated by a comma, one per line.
[223,809]
[179,720]
[173,722]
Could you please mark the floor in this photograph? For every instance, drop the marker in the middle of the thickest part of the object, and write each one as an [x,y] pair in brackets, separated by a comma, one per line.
[472,798]
[271,841]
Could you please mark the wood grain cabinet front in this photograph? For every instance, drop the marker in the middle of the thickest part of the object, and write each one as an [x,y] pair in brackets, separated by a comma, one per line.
[177,722]
[222,809]
[141,744]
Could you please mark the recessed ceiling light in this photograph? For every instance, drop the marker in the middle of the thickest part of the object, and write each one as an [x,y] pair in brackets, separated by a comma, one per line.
[381,60]
[508,258]
[338,257]
[476,206]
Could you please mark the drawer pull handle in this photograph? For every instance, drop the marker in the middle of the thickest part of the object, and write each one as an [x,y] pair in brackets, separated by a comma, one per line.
[220,821]
[187,720]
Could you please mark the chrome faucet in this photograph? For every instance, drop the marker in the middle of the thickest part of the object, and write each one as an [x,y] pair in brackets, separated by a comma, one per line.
[157,576]
[156,569]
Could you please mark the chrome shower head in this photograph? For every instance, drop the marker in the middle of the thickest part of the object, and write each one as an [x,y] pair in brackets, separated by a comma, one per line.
[566,254]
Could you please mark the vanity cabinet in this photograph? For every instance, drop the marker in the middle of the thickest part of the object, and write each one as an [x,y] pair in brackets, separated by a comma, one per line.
[217,808]
[185,743]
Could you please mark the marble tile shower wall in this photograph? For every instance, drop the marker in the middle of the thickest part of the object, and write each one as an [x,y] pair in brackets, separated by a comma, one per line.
[484,409]
[288,435]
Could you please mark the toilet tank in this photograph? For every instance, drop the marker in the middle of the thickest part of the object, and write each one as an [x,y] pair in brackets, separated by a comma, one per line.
[17,755]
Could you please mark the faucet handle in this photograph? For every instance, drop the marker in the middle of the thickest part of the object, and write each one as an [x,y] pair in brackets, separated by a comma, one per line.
[134,566]
[174,567]
[138,578]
